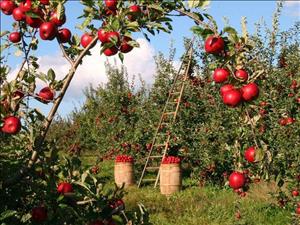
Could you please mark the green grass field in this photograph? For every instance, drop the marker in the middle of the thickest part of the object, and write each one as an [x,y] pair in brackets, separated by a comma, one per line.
[202,205]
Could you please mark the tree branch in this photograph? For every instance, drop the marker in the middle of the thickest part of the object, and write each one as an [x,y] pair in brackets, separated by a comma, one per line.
[64,53]
[252,127]
[45,127]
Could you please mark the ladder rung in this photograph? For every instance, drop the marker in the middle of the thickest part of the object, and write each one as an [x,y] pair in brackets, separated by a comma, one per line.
[149,180]
[169,113]
[159,145]
[152,168]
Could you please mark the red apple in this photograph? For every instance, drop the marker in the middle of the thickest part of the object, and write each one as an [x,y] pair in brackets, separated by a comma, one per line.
[232,97]
[236,180]
[297,211]
[86,39]
[290,120]
[220,75]
[46,94]
[111,4]
[125,47]
[39,214]
[282,121]
[44,2]
[263,104]
[102,35]
[12,125]
[134,12]
[35,22]
[14,37]
[48,31]
[64,35]
[25,5]
[19,14]
[109,12]
[238,215]
[249,91]
[295,193]
[113,35]
[250,154]
[119,203]
[64,187]
[241,75]
[7,7]
[54,19]
[294,84]
[214,44]
[110,51]
[225,88]
[263,112]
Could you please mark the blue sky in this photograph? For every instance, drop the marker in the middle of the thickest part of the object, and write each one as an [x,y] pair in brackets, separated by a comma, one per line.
[233,10]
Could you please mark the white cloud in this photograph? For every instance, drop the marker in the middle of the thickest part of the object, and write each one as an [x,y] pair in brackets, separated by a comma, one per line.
[293,8]
[292,3]
[92,70]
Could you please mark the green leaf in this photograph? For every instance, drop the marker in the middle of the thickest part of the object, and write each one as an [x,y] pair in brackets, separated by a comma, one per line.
[230,30]
[121,56]
[115,24]
[51,75]
[198,3]
[6,214]
[32,14]
[197,30]
[60,10]
[83,177]
[259,155]
[156,7]
[210,18]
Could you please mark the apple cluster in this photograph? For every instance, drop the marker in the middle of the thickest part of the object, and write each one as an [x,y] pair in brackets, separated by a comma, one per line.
[12,124]
[39,214]
[112,41]
[40,16]
[231,95]
[124,159]
[171,160]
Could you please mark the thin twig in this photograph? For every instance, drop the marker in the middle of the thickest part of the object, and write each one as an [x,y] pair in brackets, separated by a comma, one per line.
[26,54]
[65,54]
[85,202]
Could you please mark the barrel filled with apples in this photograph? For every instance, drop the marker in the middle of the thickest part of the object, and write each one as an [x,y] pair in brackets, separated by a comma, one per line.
[170,175]
[123,171]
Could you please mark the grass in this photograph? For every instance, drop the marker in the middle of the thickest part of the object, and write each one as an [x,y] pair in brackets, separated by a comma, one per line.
[202,205]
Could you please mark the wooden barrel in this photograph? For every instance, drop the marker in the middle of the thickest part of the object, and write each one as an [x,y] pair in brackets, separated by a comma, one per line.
[123,172]
[170,178]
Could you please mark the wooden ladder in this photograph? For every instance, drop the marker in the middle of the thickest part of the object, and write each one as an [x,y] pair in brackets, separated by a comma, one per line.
[162,136]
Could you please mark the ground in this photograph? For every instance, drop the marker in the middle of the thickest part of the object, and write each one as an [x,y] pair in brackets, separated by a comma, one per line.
[208,205]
